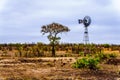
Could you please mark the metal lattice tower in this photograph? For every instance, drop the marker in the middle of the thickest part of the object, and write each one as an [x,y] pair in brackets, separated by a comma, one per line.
[86,36]
[86,21]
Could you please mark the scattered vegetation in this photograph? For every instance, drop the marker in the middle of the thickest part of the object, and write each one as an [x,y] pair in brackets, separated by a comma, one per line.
[44,50]
[90,63]
[34,61]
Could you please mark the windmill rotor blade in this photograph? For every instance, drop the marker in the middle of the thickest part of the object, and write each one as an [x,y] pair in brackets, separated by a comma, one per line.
[86,21]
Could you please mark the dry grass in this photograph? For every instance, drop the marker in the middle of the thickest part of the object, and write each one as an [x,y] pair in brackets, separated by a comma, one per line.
[52,69]
[58,68]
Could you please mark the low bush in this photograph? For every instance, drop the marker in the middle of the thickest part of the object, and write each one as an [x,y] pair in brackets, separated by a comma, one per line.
[112,55]
[90,63]
[80,63]
[104,57]
[81,53]
[93,63]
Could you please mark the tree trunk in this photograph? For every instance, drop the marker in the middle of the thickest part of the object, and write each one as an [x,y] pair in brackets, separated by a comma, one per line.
[53,50]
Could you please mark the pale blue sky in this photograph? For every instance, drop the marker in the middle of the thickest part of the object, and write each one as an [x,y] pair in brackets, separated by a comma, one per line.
[21,20]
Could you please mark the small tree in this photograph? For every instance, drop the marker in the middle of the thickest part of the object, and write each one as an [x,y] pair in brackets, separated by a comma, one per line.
[52,30]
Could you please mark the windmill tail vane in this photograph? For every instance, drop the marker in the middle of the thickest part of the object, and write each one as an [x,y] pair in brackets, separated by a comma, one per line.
[80,21]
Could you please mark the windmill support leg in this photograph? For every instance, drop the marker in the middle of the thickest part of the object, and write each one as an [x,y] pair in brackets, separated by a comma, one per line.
[86,37]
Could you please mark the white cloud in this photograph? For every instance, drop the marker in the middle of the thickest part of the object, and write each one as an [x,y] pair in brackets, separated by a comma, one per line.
[116,5]
[2,4]
[24,18]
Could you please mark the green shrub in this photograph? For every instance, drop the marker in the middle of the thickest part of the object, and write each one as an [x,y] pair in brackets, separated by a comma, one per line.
[112,55]
[81,53]
[106,45]
[90,63]
[102,56]
[81,63]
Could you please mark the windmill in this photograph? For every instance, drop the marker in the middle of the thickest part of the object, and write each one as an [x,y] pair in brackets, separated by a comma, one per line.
[86,21]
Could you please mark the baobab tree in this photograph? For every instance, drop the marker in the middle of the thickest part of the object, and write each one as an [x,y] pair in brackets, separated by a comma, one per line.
[52,30]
